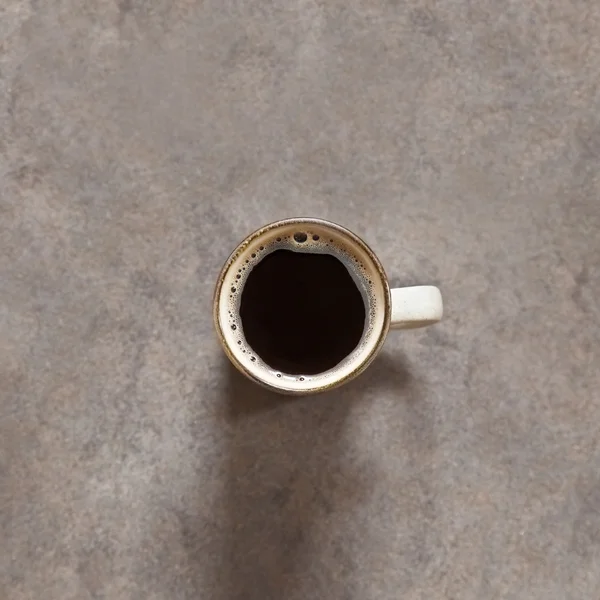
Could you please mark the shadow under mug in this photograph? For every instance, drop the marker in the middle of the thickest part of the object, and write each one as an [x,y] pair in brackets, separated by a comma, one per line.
[397,308]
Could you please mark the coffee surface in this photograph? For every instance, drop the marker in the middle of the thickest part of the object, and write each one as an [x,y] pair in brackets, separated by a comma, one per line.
[302,313]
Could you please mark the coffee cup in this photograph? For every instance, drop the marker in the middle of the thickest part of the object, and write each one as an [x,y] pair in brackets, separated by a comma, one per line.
[303,305]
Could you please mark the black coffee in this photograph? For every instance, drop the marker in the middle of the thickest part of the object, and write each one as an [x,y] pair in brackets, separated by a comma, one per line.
[302,313]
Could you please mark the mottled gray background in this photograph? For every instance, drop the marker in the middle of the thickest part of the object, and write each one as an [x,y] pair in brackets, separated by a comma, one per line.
[140,141]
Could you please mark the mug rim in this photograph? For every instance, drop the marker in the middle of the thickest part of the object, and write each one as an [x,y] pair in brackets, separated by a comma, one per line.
[355,239]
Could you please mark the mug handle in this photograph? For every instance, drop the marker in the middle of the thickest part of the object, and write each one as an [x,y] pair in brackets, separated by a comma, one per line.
[416,306]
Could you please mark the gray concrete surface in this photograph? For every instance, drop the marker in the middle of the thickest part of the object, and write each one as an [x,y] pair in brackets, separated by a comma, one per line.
[140,141]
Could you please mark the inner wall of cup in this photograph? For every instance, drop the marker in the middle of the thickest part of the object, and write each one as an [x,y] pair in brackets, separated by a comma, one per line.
[320,239]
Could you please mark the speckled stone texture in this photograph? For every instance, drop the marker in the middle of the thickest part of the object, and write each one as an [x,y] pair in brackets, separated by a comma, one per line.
[140,141]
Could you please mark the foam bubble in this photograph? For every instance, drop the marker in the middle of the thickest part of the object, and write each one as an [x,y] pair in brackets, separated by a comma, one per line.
[300,237]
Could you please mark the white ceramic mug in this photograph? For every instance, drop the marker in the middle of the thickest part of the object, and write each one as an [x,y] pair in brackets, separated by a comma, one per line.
[398,308]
